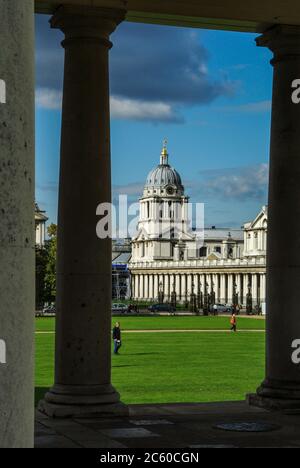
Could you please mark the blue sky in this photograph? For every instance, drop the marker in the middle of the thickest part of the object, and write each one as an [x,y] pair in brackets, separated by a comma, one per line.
[207,92]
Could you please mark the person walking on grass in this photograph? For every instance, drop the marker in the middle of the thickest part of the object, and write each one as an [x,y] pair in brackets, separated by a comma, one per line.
[233,322]
[117,338]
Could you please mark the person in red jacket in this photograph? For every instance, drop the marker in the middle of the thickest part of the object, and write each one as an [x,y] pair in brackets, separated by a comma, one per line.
[233,323]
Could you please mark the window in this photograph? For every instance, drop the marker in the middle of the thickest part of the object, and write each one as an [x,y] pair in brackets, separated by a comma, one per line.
[218,250]
[203,252]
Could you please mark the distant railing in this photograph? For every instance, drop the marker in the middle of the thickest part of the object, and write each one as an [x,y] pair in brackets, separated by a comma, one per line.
[192,264]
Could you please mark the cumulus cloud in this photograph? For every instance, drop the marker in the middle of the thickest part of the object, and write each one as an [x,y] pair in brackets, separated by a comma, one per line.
[47,98]
[247,183]
[142,110]
[155,71]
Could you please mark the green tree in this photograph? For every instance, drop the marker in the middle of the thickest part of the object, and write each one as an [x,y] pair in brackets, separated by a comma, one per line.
[46,269]
[50,276]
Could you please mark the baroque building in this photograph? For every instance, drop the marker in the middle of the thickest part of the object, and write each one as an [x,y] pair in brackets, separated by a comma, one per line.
[167,257]
[40,226]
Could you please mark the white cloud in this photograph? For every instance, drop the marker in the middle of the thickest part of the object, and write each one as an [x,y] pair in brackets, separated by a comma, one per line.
[121,108]
[46,98]
[131,109]
[247,183]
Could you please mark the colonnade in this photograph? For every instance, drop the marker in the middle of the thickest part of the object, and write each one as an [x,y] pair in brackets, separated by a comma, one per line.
[147,286]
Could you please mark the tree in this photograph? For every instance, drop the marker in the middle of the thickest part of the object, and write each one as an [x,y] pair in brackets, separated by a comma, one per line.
[50,277]
[46,269]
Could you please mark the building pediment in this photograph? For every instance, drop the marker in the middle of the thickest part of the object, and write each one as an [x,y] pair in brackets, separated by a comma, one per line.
[260,222]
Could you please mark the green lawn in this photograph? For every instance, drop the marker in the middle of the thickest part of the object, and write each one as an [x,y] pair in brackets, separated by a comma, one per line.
[167,323]
[174,367]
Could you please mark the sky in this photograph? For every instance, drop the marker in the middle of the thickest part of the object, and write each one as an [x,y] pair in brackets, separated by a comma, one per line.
[207,92]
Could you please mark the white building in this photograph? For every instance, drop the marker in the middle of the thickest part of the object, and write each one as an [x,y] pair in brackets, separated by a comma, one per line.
[166,257]
[40,226]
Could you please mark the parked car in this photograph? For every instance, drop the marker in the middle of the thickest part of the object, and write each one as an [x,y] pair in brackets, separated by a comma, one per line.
[48,311]
[119,308]
[161,308]
[221,309]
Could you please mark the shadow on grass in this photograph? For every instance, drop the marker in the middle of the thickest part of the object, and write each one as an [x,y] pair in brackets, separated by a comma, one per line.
[39,394]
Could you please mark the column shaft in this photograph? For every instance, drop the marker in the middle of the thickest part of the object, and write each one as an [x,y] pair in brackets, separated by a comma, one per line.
[17,236]
[281,388]
[83,325]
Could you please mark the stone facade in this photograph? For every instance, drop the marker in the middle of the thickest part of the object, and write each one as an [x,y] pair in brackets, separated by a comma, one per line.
[229,263]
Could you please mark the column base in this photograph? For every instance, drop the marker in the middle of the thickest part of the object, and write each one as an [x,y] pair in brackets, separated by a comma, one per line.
[96,401]
[275,395]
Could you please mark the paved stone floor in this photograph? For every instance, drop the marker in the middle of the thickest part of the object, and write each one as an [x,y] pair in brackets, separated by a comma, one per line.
[170,426]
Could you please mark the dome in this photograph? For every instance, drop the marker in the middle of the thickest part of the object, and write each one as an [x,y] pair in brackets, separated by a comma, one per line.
[164,175]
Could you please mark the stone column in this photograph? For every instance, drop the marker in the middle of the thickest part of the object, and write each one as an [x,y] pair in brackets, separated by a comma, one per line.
[245,287]
[83,327]
[167,287]
[17,236]
[155,287]
[216,286]
[142,287]
[151,295]
[183,287]
[239,287]
[254,289]
[281,388]
[189,284]
[222,289]
[262,288]
[177,287]
[146,287]
[229,288]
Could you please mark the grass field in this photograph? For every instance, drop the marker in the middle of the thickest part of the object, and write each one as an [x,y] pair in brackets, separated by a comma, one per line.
[167,323]
[174,367]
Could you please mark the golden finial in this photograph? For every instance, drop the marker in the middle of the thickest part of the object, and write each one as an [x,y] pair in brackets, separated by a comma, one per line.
[165,150]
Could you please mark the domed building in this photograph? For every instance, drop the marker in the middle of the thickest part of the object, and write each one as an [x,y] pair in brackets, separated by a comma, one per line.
[164,230]
[169,258]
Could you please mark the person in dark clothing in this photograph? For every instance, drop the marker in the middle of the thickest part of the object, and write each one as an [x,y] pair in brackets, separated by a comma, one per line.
[117,338]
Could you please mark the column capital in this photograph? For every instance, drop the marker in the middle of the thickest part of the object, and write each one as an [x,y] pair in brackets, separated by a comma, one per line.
[282,40]
[87,23]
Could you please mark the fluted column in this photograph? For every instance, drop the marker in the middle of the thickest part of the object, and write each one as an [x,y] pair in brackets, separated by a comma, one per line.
[83,325]
[281,388]
[17,236]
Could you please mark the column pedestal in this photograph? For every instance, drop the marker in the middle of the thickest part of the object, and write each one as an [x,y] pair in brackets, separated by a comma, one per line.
[83,324]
